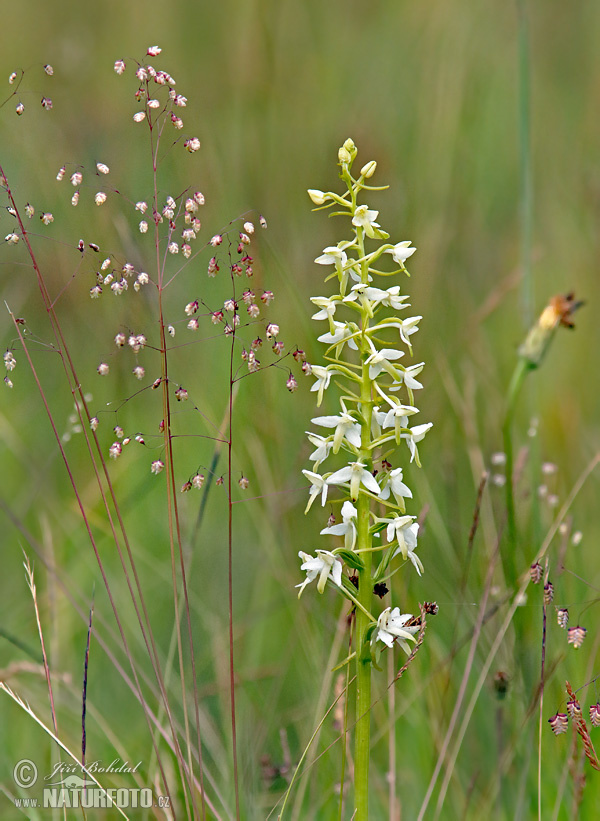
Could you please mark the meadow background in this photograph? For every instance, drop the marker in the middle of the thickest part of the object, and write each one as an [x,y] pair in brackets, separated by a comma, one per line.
[432,92]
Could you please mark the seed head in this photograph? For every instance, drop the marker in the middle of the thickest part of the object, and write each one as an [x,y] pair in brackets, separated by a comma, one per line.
[291,384]
[198,481]
[216,240]
[75,199]
[249,227]
[139,116]
[115,450]
[120,340]
[272,330]
[100,198]
[61,173]
[102,168]
[103,369]
[212,267]
[139,372]
[559,723]
[12,239]
[181,394]
[156,466]
[244,483]
[46,103]
[120,66]
[192,145]
[10,362]
[193,324]
[154,51]
[12,77]
[46,218]
[536,572]
[575,636]
[562,616]
[94,422]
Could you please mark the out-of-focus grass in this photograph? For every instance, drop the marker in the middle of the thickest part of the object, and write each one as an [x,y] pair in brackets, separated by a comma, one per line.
[430,91]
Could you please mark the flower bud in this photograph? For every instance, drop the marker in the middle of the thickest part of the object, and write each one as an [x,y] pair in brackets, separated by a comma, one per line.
[347,152]
[369,169]
[318,197]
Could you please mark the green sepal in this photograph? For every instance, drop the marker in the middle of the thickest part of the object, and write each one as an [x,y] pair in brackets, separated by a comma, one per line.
[378,528]
[350,558]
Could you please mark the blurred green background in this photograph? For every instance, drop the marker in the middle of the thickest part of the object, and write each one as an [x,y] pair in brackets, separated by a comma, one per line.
[431,91]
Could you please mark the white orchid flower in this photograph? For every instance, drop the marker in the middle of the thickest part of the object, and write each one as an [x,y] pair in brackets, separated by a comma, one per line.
[319,484]
[404,529]
[401,251]
[323,445]
[415,435]
[408,377]
[395,484]
[323,379]
[346,427]
[325,565]
[333,255]
[364,218]
[392,626]
[347,528]
[340,334]
[397,418]
[328,307]
[380,361]
[356,474]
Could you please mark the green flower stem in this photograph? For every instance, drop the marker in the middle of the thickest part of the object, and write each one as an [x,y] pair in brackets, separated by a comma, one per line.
[516,383]
[362,738]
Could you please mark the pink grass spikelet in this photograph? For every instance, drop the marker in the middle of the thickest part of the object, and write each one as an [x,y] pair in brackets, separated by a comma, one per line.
[576,635]
[559,723]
